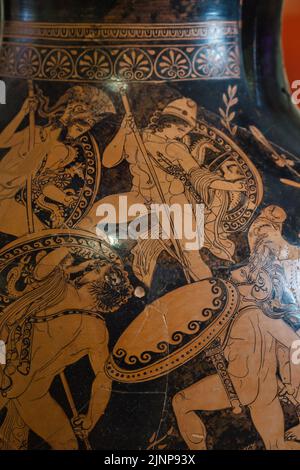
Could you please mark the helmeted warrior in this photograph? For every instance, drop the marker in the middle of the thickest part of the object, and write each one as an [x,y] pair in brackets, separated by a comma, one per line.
[171,175]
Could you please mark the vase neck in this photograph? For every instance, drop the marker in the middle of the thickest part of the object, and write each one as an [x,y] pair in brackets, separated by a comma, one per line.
[255,32]
[122,11]
[262,53]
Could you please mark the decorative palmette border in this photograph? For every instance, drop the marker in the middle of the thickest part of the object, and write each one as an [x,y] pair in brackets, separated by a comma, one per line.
[182,53]
[125,64]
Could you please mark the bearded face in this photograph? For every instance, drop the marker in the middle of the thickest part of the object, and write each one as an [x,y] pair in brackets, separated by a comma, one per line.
[76,129]
[112,289]
[77,119]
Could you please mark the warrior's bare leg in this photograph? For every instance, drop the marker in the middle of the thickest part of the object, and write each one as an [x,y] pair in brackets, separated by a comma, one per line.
[269,423]
[206,395]
[293,433]
[268,420]
[197,268]
[54,427]
[189,241]
[283,355]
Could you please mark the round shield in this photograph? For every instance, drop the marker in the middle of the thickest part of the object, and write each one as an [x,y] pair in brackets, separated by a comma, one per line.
[229,159]
[79,183]
[172,330]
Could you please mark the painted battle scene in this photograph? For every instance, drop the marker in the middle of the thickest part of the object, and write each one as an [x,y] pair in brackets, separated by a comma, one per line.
[129,334]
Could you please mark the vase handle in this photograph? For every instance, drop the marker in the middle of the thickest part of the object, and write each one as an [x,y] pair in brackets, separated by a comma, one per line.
[1,21]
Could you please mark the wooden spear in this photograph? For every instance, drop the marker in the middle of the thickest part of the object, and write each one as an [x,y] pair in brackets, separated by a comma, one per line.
[73,406]
[30,219]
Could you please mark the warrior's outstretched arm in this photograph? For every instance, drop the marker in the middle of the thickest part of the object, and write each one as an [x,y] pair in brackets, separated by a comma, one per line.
[180,153]
[237,186]
[115,151]
[61,256]
[50,261]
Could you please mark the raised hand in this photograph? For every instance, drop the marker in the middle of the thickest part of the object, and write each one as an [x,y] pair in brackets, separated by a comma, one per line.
[82,426]
[30,104]
[128,124]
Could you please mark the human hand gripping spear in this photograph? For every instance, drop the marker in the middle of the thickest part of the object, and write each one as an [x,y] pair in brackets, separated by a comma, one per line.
[75,413]
[178,250]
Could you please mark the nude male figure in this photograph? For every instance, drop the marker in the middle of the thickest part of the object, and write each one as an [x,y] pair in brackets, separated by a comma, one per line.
[251,352]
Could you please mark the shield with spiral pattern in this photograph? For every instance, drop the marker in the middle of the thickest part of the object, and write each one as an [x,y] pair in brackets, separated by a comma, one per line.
[172,330]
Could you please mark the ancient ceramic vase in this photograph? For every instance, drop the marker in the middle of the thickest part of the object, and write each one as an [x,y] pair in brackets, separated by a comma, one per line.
[149,263]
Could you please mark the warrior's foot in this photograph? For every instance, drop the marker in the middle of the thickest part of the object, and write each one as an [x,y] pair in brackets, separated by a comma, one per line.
[293,434]
[291,445]
[284,445]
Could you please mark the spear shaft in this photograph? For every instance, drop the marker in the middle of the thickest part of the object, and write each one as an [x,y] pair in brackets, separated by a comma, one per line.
[30,220]
[72,405]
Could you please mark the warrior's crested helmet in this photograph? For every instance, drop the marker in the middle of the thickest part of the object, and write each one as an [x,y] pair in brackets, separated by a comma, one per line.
[183,108]
[86,103]
[83,103]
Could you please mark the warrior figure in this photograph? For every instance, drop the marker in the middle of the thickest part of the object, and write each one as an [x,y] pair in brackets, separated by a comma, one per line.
[153,179]
[253,343]
[68,302]
[44,163]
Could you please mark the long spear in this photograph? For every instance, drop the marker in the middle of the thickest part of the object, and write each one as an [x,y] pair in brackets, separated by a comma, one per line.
[288,163]
[72,405]
[30,220]
[153,174]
